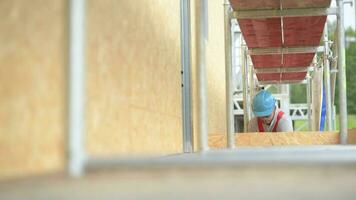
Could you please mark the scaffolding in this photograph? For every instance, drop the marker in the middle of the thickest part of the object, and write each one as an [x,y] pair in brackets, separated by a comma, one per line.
[318,74]
[296,111]
[238,98]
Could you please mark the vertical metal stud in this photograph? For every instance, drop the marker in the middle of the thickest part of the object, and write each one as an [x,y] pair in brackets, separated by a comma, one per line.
[188,141]
[327,79]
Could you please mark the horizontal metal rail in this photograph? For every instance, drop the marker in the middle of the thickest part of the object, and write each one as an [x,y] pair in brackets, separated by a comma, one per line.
[298,111]
[281,69]
[290,12]
[285,50]
[282,82]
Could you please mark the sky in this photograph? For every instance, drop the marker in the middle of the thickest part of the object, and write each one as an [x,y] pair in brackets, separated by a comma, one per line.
[349,14]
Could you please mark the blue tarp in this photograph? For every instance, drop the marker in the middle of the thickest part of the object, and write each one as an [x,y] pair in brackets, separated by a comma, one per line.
[323,111]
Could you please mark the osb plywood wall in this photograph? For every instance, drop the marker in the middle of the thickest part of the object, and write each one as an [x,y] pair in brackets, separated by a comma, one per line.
[32,86]
[134,94]
[215,56]
[134,81]
[215,66]
[278,139]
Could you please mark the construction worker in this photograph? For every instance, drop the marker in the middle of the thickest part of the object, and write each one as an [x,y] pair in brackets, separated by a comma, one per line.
[268,118]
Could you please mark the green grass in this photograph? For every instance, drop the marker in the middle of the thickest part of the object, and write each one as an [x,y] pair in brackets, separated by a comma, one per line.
[300,123]
[351,123]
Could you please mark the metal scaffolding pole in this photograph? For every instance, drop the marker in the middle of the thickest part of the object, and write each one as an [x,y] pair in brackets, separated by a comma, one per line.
[246,101]
[251,91]
[76,87]
[317,89]
[285,101]
[333,78]
[334,116]
[309,102]
[203,100]
[186,84]
[342,72]
[327,80]
[228,70]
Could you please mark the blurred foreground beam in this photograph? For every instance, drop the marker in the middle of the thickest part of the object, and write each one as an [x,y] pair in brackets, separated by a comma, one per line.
[201,76]
[76,87]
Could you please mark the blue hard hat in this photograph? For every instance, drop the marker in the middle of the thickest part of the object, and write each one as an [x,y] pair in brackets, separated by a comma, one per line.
[263,104]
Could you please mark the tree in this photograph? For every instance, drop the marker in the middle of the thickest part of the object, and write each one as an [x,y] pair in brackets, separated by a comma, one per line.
[298,91]
[351,77]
